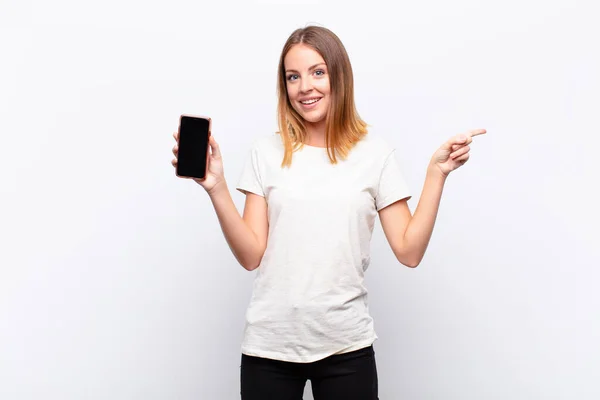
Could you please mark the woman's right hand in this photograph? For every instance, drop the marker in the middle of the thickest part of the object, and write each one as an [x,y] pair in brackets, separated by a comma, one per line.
[214,172]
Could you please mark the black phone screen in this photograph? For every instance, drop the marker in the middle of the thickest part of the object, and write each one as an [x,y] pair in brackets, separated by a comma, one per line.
[193,145]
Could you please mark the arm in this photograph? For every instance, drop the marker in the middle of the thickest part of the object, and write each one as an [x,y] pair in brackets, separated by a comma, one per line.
[247,235]
[409,235]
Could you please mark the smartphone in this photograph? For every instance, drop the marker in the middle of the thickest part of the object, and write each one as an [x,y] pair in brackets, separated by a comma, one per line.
[192,156]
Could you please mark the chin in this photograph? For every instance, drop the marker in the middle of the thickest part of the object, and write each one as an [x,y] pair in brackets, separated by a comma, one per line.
[313,119]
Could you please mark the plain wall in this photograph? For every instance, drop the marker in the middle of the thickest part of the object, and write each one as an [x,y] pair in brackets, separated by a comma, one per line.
[116,281]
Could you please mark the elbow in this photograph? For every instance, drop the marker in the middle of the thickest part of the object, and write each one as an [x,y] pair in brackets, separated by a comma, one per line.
[250,267]
[411,263]
[250,263]
[408,260]
[407,253]
[250,258]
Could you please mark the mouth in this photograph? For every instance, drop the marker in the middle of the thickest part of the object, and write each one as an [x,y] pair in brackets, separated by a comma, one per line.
[310,103]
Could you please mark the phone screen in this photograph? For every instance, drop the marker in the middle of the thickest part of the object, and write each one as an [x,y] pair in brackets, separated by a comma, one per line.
[193,146]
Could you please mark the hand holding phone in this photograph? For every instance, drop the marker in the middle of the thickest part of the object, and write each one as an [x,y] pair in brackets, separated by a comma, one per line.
[197,154]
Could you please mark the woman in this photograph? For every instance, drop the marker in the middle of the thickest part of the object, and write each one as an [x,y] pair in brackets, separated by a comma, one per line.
[313,191]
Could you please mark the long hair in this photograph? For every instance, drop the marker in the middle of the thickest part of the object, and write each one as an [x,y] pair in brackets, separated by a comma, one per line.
[343,126]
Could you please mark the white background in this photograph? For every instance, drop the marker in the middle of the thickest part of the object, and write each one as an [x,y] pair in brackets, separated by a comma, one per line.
[116,281]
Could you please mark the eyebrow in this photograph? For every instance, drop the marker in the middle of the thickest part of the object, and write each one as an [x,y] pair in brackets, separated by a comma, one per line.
[313,67]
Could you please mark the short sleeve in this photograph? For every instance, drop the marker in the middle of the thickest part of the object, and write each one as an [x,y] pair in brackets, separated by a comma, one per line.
[250,179]
[392,184]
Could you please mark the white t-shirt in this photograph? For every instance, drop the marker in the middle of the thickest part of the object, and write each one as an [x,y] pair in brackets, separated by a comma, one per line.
[309,300]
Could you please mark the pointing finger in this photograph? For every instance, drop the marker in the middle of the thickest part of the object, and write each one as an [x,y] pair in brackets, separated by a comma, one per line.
[476,132]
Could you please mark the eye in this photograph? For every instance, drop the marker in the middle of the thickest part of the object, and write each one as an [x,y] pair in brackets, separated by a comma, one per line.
[320,72]
[292,77]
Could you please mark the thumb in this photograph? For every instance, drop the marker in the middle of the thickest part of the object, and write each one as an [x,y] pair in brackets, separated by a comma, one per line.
[214,147]
[458,139]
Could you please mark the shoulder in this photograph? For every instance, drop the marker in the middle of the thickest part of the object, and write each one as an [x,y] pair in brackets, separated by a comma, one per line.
[267,148]
[267,143]
[374,145]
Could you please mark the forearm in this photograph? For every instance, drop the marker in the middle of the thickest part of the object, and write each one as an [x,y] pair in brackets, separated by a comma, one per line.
[419,229]
[241,239]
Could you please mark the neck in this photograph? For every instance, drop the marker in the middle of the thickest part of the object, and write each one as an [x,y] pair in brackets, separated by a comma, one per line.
[315,133]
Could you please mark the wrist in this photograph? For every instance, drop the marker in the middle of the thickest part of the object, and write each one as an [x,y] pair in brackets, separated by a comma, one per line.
[434,172]
[218,188]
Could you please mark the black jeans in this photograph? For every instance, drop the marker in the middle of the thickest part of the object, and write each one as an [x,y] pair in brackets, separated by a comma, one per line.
[349,376]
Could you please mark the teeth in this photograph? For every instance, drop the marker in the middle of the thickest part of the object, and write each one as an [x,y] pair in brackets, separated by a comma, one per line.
[310,101]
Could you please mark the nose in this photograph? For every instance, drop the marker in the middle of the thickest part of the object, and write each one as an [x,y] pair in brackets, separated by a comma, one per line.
[305,85]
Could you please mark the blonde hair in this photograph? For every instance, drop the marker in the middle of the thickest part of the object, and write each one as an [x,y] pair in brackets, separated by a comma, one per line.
[343,126]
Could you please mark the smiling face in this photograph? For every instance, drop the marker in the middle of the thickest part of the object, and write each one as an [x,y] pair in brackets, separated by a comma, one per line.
[307,83]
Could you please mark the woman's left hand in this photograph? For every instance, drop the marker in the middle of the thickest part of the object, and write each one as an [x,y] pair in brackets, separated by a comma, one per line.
[454,153]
